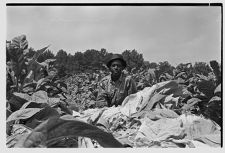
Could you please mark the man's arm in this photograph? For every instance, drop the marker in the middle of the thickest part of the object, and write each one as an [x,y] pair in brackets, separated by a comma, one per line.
[102,98]
[132,88]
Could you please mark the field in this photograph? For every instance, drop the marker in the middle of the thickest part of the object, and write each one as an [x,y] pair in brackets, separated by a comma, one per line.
[44,110]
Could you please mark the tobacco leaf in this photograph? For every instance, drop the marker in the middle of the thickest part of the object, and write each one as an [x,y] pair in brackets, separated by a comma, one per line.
[218,90]
[40,97]
[32,104]
[17,100]
[41,116]
[54,129]
[23,114]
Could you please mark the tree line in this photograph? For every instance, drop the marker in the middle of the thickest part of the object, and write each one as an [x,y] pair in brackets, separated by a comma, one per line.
[92,60]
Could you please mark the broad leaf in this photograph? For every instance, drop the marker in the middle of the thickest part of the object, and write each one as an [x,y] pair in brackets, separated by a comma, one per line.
[54,129]
[38,53]
[181,74]
[53,101]
[33,140]
[23,96]
[41,116]
[202,76]
[215,99]
[45,113]
[193,101]
[218,89]
[190,103]
[166,84]
[17,100]
[176,91]
[34,66]
[214,109]
[23,114]
[47,62]
[39,83]
[154,99]
[8,112]
[32,104]
[40,97]
[29,87]
[19,42]
[16,53]
[206,87]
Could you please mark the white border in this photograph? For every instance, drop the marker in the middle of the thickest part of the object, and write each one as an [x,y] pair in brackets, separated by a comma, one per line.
[3,82]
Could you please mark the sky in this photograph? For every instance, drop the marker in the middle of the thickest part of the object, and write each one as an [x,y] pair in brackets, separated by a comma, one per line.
[177,34]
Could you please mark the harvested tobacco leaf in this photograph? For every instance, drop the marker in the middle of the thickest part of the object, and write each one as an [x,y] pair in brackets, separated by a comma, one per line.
[54,129]
[85,143]
[155,99]
[212,140]
[41,116]
[165,113]
[136,102]
[166,84]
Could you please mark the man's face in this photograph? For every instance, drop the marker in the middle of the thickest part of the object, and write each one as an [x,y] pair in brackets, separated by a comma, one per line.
[116,67]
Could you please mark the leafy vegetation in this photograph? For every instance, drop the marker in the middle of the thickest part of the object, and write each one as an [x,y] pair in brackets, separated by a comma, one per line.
[44,91]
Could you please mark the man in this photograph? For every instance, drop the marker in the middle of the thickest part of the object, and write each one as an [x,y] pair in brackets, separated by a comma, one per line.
[114,88]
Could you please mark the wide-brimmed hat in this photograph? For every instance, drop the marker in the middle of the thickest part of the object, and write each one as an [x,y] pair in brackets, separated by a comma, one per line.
[116,57]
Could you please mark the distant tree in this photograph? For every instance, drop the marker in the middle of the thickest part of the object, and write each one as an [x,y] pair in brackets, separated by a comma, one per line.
[153,65]
[61,71]
[133,58]
[61,57]
[70,63]
[201,68]
[92,58]
[79,60]
[146,65]
[165,67]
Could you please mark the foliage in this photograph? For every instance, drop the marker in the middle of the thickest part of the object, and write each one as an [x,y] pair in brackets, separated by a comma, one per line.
[41,97]
[55,129]
[216,70]
[165,67]
[20,68]
[201,68]
[39,102]
[133,59]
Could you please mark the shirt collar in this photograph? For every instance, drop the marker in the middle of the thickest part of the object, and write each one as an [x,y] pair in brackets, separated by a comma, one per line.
[119,80]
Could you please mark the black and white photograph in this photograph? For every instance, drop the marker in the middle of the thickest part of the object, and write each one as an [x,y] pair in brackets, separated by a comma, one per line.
[114,75]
